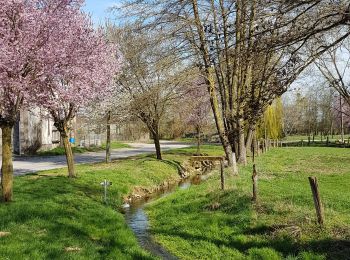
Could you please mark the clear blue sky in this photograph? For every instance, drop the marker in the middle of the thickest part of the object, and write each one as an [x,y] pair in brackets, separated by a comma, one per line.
[98,9]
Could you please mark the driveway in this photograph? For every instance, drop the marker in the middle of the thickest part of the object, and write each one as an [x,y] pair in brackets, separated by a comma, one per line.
[26,164]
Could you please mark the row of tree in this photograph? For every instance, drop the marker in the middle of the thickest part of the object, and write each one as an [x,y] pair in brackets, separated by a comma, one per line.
[318,111]
[242,54]
[50,57]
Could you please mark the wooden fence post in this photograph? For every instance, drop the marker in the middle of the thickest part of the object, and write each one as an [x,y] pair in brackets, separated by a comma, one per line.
[327,142]
[222,174]
[258,148]
[253,153]
[317,200]
[255,184]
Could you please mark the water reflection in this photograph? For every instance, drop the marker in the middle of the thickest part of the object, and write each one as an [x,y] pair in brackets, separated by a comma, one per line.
[137,220]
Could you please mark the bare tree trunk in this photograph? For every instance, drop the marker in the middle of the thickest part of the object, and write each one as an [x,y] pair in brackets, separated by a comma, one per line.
[211,83]
[242,153]
[157,145]
[234,166]
[249,140]
[108,139]
[68,149]
[198,140]
[7,164]
[341,121]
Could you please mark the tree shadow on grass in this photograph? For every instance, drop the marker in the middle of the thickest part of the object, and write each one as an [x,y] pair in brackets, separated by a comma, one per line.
[51,213]
[245,234]
[332,249]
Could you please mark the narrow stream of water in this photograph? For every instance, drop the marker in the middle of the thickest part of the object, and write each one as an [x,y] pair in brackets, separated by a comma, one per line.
[137,220]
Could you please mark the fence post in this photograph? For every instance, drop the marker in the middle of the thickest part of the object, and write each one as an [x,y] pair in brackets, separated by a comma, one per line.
[222,174]
[253,153]
[317,200]
[255,184]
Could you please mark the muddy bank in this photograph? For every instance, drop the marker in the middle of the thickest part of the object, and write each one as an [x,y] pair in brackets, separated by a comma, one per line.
[186,171]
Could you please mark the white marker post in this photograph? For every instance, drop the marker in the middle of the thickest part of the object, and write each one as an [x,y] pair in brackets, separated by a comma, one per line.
[105,184]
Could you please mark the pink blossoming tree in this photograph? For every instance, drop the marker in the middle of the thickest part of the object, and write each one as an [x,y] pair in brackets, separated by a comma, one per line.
[197,104]
[50,56]
[22,35]
[82,71]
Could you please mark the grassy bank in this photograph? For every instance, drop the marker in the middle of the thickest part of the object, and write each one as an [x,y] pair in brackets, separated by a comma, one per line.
[207,223]
[60,150]
[53,217]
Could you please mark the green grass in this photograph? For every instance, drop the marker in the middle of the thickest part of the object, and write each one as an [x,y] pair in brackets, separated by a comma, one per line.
[317,137]
[207,223]
[116,145]
[60,150]
[53,217]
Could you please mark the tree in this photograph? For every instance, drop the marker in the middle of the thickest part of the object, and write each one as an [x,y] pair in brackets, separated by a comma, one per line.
[28,55]
[197,105]
[102,115]
[334,66]
[151,79]
[46,47]
[249,51]
[272,124]
[82,72]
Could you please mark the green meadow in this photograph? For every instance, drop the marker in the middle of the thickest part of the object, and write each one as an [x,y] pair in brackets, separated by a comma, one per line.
[205,222]
[53,217]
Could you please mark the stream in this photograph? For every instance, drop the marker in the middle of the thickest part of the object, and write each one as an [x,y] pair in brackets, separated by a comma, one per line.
[137,220]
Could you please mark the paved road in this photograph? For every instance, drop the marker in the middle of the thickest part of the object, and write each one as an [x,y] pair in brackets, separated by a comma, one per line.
[24,165]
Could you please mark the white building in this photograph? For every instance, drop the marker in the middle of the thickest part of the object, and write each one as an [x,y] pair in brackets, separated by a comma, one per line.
[33,132]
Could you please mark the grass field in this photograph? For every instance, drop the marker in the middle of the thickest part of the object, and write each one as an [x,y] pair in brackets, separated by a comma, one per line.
[53,217]
[207,223]
[317,137]
[60,150]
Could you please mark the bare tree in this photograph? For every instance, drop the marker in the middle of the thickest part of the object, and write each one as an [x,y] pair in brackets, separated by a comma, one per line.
[334,65]
[151,80]
[249,51]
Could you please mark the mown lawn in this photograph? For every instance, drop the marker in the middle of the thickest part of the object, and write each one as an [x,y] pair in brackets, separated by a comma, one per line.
[53,217]
[60,150]
[207,223]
